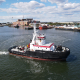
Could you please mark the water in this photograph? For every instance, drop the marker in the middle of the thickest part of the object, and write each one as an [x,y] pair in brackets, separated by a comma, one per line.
[18,68]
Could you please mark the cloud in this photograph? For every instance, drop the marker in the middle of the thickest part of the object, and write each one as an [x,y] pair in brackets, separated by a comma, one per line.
[1,1]
[69,8]
[43,0]
[36,7]
[9,18]
[40,11]
[24,7]
[56,1]
[29,5]
[10,10]
[69,5]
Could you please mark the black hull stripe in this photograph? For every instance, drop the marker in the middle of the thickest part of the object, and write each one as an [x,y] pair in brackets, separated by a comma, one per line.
[38,58]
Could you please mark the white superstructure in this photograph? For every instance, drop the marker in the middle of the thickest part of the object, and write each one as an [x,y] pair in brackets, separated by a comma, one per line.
[38,42]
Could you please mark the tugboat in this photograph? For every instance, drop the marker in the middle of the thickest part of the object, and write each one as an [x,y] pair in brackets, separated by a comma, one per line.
[40,50]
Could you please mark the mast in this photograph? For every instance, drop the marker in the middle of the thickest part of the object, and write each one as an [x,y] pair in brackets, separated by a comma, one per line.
[34,34]
[34,28]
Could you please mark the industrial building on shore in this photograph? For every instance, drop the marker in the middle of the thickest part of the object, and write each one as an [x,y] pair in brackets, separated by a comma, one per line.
[24,22]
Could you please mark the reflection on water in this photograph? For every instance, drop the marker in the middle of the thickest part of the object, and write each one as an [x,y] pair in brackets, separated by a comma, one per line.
[44,69]
[35,67]
[71,58]
[47,69]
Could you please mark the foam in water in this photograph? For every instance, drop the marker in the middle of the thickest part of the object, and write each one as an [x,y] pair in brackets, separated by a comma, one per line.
[3,52]
[66,40]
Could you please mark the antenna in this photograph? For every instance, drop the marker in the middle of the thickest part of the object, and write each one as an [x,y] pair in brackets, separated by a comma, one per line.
[23,20]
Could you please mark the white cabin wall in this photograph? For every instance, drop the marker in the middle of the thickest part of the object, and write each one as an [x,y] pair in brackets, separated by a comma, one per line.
[41,48]
[31,47]
[40,42]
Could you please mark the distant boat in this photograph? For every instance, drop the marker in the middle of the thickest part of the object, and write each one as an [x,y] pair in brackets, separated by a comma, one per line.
[17,26]
[43,27]
[1,26]
[69,27]
[30,28]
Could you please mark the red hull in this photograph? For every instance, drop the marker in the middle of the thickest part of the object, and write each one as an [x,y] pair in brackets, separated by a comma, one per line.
[44,27]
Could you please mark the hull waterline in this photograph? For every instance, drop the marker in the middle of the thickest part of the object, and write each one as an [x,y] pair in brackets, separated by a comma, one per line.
[38,58]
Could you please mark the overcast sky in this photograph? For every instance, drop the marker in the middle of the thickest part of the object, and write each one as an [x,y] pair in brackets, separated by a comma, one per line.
[43,10]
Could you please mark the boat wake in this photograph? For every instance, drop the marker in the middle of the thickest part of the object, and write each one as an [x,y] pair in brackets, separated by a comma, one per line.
[66,40]
[3,53]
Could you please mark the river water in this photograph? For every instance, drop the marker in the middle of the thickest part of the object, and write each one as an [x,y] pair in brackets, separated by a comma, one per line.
[18,68]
